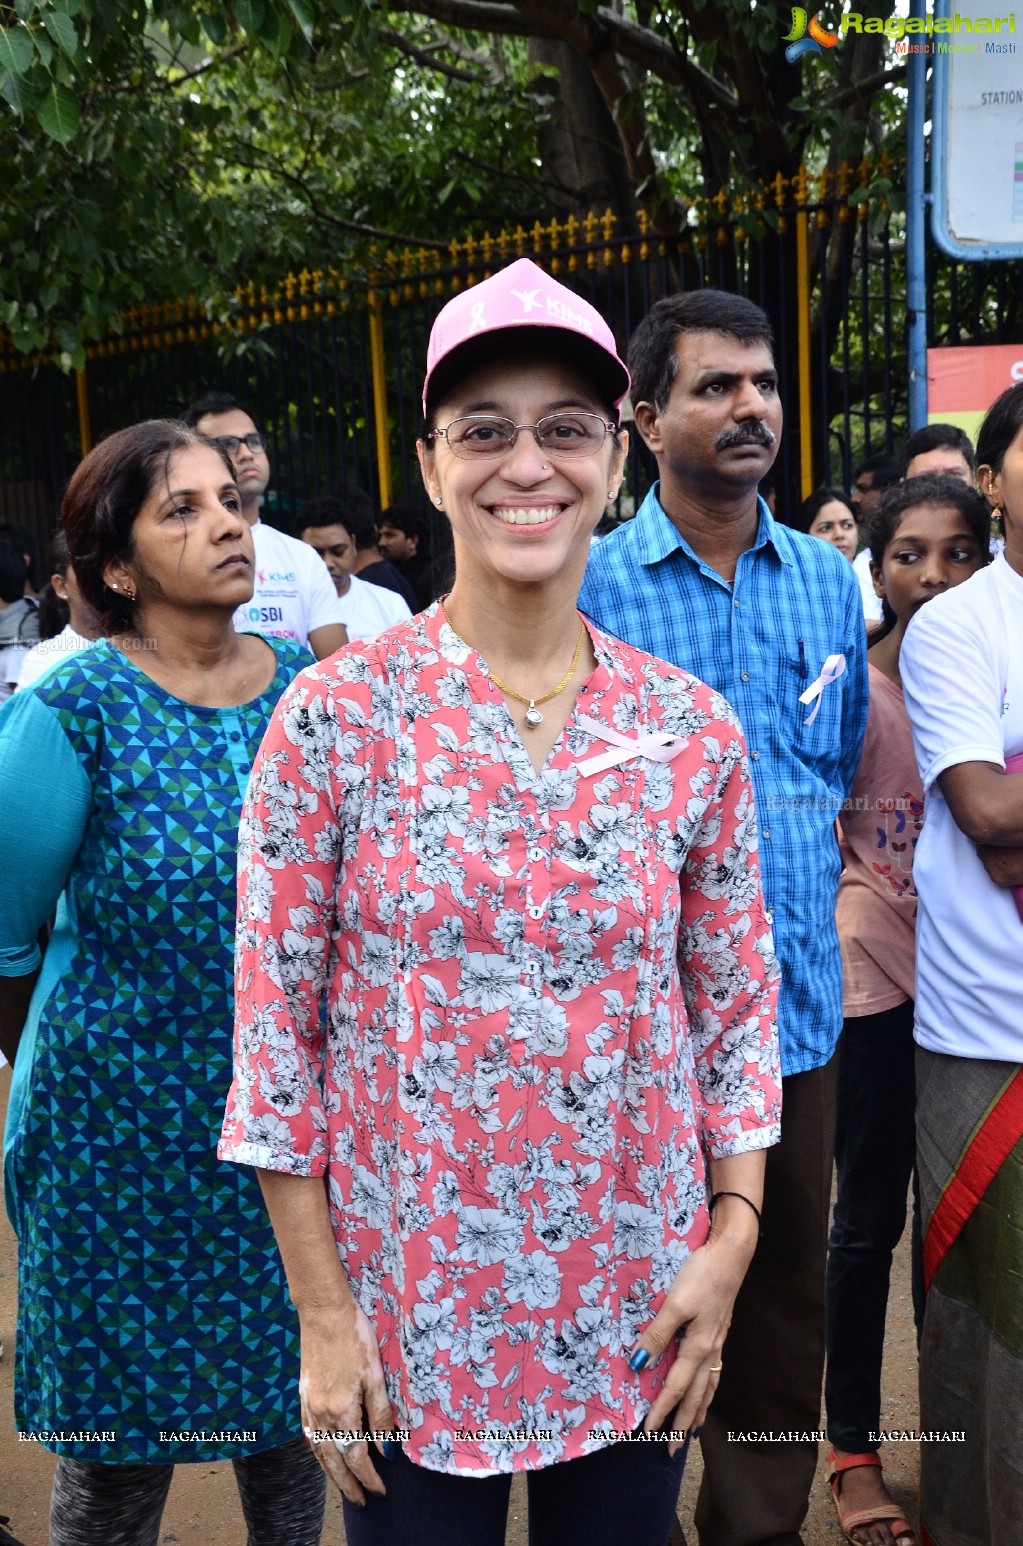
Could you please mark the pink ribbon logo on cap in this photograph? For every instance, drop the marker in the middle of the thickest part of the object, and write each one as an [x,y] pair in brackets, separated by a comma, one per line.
[830,672]
[659,747]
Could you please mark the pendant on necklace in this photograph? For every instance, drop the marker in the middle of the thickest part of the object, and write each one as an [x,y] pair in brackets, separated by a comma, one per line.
[533,716]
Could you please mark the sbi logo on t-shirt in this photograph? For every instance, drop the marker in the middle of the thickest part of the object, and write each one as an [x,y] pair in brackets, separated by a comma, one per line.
[265,615]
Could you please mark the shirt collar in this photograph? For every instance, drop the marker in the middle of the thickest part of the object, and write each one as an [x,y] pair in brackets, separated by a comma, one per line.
[658,537]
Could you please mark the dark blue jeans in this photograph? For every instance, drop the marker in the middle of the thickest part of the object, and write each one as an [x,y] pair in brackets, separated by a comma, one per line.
[875,1152]
[626,1493]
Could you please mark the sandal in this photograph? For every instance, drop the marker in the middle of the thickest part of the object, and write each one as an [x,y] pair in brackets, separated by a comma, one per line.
[855,1518]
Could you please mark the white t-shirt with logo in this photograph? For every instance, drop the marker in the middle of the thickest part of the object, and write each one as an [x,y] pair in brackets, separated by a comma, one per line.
[369,609]
[294,593]
[962,676]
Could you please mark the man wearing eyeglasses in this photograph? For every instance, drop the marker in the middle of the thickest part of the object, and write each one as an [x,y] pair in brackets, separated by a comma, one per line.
[294,597]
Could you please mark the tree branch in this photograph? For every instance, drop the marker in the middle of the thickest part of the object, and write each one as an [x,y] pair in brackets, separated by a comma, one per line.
[337,221]
[477,16]
[423,56]
[639,45]
[168,83]
[867,87]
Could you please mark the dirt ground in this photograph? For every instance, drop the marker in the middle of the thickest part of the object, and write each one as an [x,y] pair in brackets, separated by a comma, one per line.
[203,1505]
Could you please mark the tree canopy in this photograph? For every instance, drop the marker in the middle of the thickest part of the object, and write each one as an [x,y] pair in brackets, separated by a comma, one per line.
[157,148]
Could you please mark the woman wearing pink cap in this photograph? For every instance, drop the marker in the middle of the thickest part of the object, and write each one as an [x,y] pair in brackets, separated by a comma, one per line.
[506,1056]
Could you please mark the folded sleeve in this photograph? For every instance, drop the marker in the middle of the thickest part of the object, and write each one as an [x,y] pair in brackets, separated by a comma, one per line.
[727,962]
[953,690]
[45,797]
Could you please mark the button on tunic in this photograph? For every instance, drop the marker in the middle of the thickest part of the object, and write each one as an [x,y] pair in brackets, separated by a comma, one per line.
[546,999]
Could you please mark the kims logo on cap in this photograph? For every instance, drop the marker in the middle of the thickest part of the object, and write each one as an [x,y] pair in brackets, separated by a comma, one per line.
[552,306]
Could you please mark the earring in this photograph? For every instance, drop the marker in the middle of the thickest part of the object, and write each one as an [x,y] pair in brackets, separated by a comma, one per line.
[438,501]
[612,495]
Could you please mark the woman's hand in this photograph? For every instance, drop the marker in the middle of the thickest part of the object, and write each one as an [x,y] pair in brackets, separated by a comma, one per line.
[699,1303]
[342,1389]
[341,1385]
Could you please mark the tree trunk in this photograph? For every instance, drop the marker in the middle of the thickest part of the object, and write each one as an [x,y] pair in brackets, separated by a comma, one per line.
[584,166]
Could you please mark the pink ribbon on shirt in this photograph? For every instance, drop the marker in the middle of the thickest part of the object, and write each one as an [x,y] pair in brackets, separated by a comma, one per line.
[830,672]
[658,747]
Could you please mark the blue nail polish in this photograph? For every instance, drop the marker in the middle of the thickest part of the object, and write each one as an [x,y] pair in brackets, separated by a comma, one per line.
[639,1360]
[696,1432]
[391,1449]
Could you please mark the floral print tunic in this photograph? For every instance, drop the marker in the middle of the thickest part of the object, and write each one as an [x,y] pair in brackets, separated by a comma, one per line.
[508,1014]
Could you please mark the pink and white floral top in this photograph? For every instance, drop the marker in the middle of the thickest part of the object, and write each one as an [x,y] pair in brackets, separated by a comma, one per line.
[508,1015]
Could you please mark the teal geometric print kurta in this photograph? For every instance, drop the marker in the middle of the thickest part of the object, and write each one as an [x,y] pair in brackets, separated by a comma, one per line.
[151,1296]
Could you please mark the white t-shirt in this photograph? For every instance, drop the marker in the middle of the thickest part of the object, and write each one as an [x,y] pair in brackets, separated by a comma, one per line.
[294,592]
[369,609]
[12,658]
[871,601]
[50,652]
[962,676]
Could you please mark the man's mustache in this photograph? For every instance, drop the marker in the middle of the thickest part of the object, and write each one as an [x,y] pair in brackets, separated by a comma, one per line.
[751,432]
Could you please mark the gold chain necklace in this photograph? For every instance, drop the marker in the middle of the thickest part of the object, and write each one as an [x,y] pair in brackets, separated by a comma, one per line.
[533,715]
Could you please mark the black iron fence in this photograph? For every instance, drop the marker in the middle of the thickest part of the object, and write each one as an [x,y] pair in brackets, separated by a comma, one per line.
[331,364]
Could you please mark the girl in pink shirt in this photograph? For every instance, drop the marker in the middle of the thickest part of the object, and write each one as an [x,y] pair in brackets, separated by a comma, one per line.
[931,533]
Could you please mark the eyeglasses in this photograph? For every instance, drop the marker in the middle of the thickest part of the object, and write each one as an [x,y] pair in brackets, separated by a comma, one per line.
[559,434]
[230,443]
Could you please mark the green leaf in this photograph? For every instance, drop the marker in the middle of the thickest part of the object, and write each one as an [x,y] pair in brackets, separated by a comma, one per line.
[15,50]
[215,26]
[60,114]
[278,41]
[106,13]
[62,30]
[44,48]
[16,90]
[304,15]
[250,14]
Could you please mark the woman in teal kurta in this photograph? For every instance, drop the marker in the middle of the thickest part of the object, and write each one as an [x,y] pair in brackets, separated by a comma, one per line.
[154,1325]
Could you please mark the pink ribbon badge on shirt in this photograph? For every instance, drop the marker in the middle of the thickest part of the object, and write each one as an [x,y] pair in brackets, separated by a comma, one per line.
[830,672]
[658,747]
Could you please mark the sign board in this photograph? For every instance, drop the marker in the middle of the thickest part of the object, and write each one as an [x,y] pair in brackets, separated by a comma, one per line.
[963,383]
[976,52]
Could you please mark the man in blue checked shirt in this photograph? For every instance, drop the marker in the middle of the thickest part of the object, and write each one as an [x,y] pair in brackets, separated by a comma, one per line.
[705,577]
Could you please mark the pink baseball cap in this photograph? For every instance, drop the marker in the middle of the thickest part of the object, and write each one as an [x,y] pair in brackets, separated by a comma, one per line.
[518,310]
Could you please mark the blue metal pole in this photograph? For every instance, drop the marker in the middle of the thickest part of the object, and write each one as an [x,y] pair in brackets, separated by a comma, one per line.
[916,228]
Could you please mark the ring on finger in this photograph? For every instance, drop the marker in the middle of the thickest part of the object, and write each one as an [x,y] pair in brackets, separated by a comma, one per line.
[341,1445]
[716,1368]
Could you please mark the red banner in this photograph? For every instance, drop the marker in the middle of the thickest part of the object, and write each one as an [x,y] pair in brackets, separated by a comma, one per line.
[963,383]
